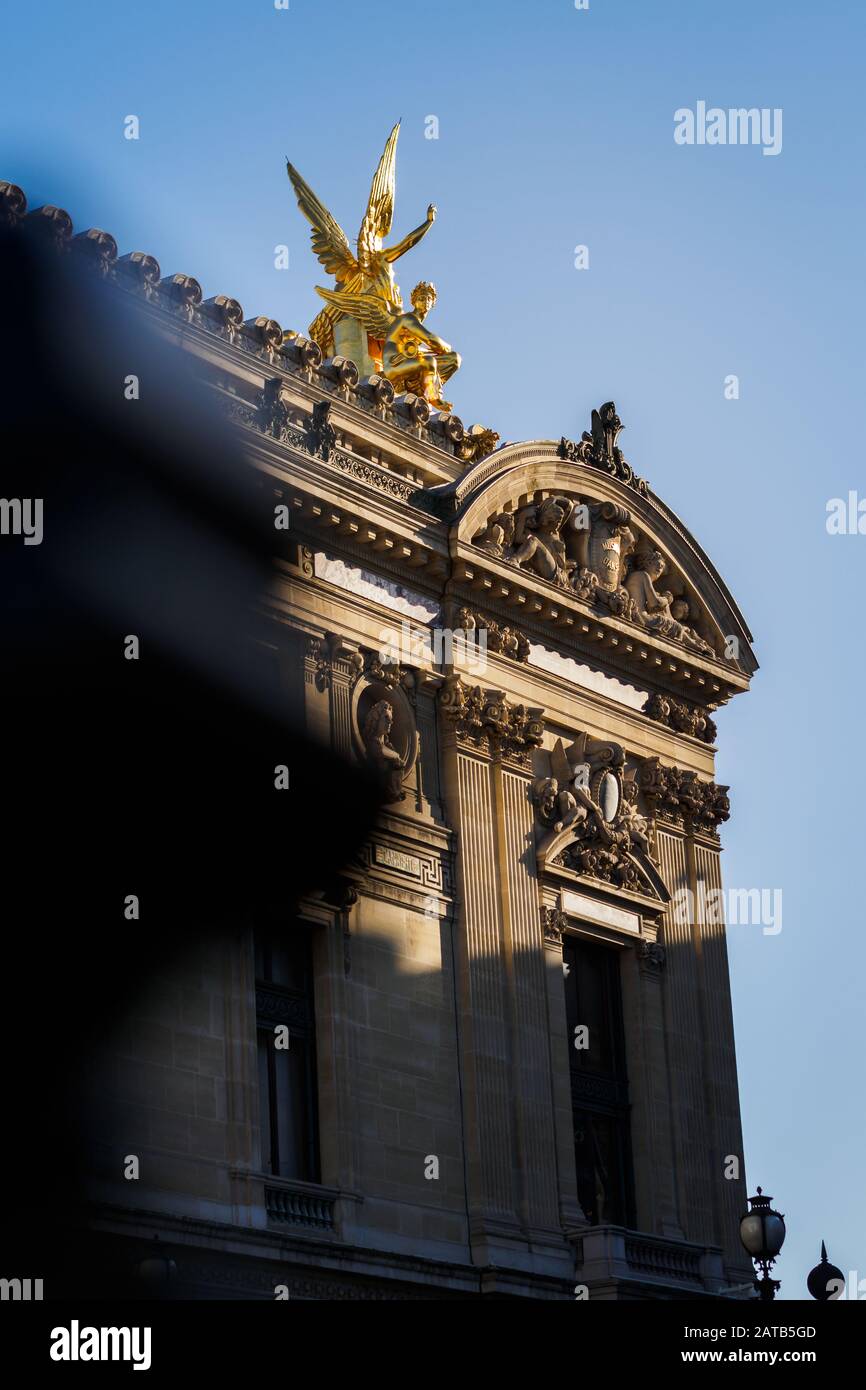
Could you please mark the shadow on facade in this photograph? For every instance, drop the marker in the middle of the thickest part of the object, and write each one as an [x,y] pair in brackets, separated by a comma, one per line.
[141,733]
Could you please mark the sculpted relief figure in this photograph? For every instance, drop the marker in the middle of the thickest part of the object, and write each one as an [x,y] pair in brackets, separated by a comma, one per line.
[651,605]
[497,637]
[538,539]
[568,543]
[497,537]
[604,826]
[661,612]
[559,807]
[381,753]
[631,820]
[532,538]
[680,611]
[509,642]
[588,549]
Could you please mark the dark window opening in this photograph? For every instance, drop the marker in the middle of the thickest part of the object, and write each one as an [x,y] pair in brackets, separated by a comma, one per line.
[287,1076]
[599,1082]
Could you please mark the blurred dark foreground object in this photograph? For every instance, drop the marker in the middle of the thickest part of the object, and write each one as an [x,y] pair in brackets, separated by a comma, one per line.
[152,776]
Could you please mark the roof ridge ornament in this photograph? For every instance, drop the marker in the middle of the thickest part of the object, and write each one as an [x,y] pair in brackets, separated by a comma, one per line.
[599,448]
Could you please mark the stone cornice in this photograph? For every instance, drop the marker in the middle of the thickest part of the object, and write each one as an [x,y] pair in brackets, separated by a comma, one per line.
[315,435]
[338,512]
[574,626]
[280,1258]
[409,447]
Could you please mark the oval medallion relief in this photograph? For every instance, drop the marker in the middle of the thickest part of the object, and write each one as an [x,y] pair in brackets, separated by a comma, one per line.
[608,796]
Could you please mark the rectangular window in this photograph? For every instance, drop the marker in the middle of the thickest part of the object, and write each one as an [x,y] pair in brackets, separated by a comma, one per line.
[287,1075]
[599,1082]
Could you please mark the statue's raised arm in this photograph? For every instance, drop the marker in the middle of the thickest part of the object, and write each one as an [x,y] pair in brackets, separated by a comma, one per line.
[393,253]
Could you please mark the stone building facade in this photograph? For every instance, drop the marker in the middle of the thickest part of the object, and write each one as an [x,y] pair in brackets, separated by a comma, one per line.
[507,1062]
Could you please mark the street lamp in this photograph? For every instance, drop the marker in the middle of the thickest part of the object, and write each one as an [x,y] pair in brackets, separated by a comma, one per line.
[762,1232]
[825,1281]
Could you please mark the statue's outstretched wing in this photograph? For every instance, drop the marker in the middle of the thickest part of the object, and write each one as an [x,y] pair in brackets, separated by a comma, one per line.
[576,753]
[597,432]
[368,309]
[560,767]
[329,240]
[380,205]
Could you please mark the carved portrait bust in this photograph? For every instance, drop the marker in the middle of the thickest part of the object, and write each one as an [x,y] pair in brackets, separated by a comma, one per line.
[381,753]
[384,730]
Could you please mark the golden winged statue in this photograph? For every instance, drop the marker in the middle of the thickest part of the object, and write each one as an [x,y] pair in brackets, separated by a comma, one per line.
[364,318]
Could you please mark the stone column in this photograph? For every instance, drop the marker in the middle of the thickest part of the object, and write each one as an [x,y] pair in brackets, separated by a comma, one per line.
[243,1141]
[571,1213]
[720,1054]
[502,994]
[684,1028]
[698,1007]
[344,671]
[317,688]
[523,958]
[652,1133]
[484,1040]
[427,767]
[336,1061]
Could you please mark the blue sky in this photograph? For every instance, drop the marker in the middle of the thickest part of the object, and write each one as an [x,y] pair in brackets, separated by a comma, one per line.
[556,129]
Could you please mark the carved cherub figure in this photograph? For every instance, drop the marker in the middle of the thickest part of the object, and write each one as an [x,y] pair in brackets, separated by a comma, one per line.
[538,539]
[498,535]
[631,820]
[661,612]
[559,806]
